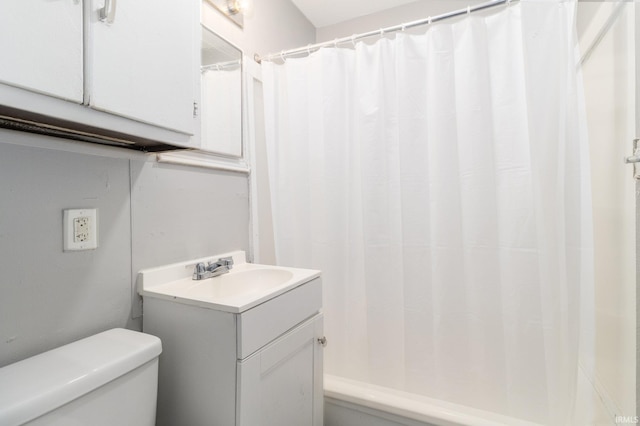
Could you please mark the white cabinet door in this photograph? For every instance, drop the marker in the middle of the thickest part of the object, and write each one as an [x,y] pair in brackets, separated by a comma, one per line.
[41,46]
[142,65]
[281,384]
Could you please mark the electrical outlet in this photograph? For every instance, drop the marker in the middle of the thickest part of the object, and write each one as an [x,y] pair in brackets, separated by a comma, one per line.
[81,232]
[80,229]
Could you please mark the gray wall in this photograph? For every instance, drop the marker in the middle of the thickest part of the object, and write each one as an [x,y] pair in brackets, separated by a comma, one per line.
[149,214]
[48,297]
[180,213]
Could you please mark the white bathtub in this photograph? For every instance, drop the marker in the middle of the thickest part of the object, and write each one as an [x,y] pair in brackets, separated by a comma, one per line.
[352,403]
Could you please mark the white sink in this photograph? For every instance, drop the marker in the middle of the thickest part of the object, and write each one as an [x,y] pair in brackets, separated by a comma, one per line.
[245,286]
[237,283]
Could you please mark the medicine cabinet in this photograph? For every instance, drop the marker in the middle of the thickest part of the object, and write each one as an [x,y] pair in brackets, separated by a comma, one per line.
[221,96]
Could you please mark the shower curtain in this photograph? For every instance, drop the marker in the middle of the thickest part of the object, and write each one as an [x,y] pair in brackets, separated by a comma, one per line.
[440,181]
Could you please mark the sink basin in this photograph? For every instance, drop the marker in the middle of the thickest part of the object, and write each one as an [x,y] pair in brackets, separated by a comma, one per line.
[239,283]
[245,286]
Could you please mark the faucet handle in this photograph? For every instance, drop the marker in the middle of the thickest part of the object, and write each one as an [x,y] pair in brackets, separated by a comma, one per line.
[226,261]
[199,271]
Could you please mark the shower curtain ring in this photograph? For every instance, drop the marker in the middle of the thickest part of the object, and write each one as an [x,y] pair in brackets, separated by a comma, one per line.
[282,56]
[308,49]
[335,43]
[404,27]
[381,32]
[429,20]
[353,40]
[468,10]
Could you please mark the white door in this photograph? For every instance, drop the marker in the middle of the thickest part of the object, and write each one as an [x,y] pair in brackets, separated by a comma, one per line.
[281,384]
[141,61]
[609,49]
[41,46]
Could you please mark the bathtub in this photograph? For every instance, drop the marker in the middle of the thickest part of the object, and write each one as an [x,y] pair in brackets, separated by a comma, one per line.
[351,403]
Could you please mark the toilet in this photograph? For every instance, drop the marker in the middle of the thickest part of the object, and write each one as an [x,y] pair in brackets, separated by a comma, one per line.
[110,378]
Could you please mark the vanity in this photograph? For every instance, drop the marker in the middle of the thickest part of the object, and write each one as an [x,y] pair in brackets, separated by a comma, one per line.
[241,348]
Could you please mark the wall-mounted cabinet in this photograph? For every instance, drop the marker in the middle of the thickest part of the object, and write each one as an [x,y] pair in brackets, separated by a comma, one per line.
[127,69]
[141,66]
[41,43]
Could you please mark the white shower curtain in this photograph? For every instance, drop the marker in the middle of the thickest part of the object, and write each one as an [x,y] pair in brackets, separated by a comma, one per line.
[440,182]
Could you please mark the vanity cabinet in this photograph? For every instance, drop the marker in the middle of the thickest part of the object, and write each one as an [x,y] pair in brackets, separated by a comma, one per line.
[135,71]
[281,384]
[258,367]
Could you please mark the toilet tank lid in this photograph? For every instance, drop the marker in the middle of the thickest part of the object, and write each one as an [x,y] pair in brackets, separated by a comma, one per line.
[32,387]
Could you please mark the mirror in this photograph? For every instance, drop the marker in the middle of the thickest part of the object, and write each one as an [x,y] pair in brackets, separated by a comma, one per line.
[221,91]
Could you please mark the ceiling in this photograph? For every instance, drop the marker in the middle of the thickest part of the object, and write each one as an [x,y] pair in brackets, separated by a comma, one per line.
[322,13]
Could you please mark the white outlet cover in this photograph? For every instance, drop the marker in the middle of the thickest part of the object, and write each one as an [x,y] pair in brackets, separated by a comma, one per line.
[83,222]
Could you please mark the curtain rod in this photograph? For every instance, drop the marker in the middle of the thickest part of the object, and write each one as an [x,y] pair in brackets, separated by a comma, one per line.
[221,65]
[402,27]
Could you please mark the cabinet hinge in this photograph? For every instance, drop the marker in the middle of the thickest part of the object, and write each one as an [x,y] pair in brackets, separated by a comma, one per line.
[195,109]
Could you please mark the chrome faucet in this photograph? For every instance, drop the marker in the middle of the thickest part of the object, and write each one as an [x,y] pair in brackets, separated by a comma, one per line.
[213,269]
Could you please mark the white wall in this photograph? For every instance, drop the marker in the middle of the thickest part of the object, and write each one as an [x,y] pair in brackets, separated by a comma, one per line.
[272,26]
[406,13]
[149,214]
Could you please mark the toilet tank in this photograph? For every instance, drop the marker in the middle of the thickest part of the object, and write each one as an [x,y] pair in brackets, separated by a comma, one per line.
[110,378]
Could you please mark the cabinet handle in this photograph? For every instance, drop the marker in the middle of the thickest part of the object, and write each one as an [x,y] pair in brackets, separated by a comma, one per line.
[323,341]
[108,12]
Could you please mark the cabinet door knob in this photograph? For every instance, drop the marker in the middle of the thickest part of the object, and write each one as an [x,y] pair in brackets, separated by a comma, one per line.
[323,341]
[108,12]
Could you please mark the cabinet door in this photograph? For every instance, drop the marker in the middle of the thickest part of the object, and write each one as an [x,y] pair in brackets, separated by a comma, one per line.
[142,65]
[281,384]
[41,46]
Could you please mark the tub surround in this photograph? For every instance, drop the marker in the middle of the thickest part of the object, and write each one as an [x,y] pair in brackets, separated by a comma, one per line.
[362,404]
